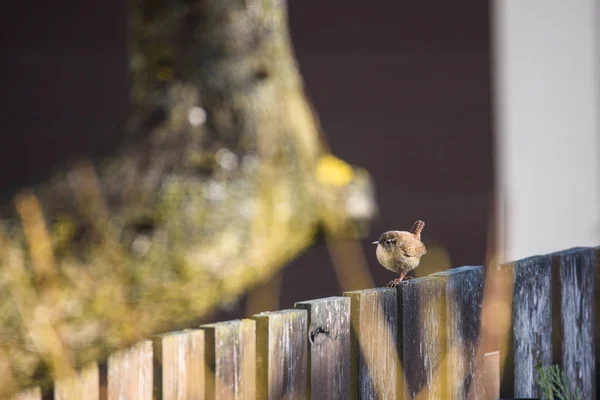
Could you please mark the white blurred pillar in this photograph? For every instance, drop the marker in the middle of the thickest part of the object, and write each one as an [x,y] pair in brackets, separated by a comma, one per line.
[547,107]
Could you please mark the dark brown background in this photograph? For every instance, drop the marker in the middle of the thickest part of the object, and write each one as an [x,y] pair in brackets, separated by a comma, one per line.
[402,88]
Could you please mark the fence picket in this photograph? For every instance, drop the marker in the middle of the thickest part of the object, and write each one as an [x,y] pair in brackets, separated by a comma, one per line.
[530,340]
[328,347]
[375,371]
[422,333]
[231,360]
[575,271]
[181,359]
[464,294]
[130,373]
[281,352]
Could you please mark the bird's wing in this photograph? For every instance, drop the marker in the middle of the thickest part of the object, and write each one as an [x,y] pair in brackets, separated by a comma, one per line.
[414,249]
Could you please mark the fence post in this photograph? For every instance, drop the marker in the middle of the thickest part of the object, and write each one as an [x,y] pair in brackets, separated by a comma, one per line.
[329,347]
[130,373]
[231,360]
[530,337]
[281,353]
[575,276]
[375,372]
[464,294]
[181,359]
[422,331]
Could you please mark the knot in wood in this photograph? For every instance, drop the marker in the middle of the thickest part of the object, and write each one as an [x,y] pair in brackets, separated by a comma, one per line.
[315,332]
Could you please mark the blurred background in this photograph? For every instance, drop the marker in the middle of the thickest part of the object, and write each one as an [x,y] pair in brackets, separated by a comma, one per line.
[404,89]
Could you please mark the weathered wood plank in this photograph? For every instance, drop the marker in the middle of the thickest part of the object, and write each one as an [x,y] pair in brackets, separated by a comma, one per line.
[375,372]
[575,321]
[130,373]
[464,295]
[530,341]
[30,394]
[84,385]
[231,360]
[597,314]
[422,334]
[180,356]
[281,353]
[328,347]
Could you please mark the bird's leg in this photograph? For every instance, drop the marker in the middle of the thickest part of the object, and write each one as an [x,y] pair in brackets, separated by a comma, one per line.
[395,282]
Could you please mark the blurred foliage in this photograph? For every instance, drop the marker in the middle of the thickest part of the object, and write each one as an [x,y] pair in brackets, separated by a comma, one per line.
[221,178]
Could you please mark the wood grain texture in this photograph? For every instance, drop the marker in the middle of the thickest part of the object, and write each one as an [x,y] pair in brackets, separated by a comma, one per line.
[181,359]
[328,347]
[530,340]
[281,352]
[84,385]
[422,333]
[597,313]
[464,295]
[231,360]
[130,373]
[576,271]
[375,363]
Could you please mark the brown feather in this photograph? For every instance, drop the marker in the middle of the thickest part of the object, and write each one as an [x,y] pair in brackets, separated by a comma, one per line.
[417,228]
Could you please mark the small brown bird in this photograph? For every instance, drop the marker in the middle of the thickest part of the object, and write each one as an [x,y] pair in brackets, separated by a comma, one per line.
[401,251]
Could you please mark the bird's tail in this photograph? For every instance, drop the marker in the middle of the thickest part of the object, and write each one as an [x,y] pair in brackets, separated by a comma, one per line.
[417,229]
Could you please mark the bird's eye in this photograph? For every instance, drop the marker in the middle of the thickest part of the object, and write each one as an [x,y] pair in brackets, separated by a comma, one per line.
[389,241]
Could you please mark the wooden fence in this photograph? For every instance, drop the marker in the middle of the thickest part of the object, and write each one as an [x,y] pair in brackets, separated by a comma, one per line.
[424,339]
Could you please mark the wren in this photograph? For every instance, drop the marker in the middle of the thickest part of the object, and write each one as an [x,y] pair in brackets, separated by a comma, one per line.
[401,251]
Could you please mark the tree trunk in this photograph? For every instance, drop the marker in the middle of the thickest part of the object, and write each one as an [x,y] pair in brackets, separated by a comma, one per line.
[221,177]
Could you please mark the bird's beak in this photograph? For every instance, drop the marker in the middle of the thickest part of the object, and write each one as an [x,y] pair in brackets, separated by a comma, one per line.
[375,242]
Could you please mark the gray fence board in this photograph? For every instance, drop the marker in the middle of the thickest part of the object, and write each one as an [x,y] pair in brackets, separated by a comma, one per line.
[422,305]
[181,359]
[281,352]
[375,363]
[130,373]
[576,333]
[328,347]
[530,341]
[231,360]
[464,294]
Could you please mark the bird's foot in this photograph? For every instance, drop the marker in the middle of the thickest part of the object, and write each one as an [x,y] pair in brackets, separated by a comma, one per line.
[392,284]
[396,282]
